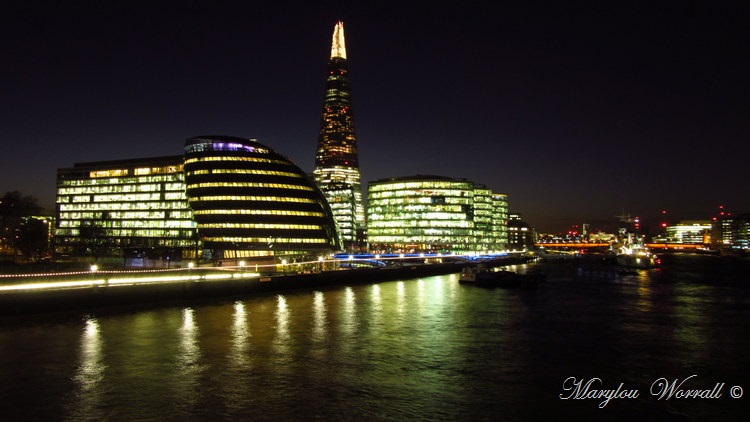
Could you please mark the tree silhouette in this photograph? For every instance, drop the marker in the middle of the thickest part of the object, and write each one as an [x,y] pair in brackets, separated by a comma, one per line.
[93,235]
[14,206]
[32,238]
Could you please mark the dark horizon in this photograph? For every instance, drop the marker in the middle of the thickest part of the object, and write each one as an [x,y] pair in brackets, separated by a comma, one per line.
[578,111]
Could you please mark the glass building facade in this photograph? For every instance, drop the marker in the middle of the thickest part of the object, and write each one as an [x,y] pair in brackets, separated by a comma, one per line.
[252,203]
[435,214]
[109,208]
[336,161]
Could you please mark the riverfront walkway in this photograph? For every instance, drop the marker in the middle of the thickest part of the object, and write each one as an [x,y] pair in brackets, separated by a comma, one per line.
[41,293]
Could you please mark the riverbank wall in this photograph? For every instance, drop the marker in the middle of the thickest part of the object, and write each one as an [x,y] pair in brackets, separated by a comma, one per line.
[201,285]
[105,291]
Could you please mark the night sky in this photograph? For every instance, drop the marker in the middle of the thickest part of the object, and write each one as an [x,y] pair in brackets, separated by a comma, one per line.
[579,111]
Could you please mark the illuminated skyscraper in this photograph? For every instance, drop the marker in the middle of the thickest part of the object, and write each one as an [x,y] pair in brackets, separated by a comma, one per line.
[336,160]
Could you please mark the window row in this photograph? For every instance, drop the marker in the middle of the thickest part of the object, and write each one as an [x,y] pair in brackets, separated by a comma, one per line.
[248,185]
[125,206]
[238,239]
[176,177]
[170,224]
[251,198]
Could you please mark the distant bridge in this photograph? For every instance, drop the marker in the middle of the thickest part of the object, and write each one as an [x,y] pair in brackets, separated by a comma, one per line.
[571,245]
[654,246]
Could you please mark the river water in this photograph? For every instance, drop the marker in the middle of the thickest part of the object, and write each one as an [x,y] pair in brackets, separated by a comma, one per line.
[421,349]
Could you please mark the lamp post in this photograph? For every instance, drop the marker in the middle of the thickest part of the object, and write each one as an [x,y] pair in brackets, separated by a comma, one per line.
[93,268]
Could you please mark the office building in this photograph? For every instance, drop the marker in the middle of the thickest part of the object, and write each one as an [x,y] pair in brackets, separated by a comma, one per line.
[520,234]
[117,208]
[336,160]
[730,232]
[435,214]
[693,232]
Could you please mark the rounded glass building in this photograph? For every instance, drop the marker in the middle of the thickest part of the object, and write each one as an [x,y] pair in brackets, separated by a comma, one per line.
[251,202]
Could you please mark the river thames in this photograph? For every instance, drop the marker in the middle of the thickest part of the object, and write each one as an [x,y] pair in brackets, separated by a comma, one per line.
[420,349]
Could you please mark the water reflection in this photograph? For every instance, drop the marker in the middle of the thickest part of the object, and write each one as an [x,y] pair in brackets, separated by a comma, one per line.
[189,349]
[645,299]
[240,346]
[188,363]
[90,371]
[400,298]
[282,339]
[692,319]
[319,317]
[349,317]
[376,308]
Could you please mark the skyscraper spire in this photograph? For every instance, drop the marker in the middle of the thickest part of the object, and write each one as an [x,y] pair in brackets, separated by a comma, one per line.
[338,46]
[336,160]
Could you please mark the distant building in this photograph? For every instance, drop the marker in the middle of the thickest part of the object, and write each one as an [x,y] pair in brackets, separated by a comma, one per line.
[252,203]
[731,233]
[520,235]
[692,232]
[337,160]
[112,208]
[435,214]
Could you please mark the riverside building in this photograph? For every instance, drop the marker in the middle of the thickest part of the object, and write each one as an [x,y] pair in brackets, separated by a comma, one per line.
[336,160]
[226,200]
[252,203]
[114,208]
[435,214]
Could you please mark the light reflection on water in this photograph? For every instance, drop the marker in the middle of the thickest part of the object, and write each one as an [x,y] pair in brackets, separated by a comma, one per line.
[426,349]
[90,370]
[320,324]
[240,349]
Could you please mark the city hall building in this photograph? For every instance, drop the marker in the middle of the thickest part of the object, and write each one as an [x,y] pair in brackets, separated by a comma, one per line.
[435,214]
[251,202]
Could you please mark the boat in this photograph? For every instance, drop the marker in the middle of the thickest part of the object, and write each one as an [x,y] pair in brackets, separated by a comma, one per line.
[642,259]
[483,276]
[635,254]
[630,249]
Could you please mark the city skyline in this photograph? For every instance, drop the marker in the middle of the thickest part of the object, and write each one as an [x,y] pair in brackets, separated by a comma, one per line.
[577,112]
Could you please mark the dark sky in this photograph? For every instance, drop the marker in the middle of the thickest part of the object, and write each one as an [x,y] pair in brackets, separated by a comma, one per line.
[577,110]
